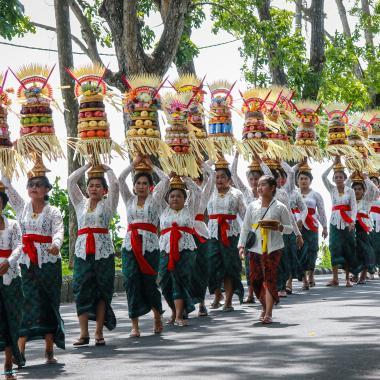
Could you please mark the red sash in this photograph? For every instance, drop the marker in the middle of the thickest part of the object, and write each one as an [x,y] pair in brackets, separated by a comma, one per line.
[175,236]
[310,221]
[90,240]
[343,209]
[200,217]
[224,226]
[5,253]
[360,216]
[375,209]
[136,242]
[29,248]
[295,211]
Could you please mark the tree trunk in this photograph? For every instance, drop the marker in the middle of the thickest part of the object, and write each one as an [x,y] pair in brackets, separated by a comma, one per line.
[368,34]
[317,49]
[298,15]
[65,59]
[275,67]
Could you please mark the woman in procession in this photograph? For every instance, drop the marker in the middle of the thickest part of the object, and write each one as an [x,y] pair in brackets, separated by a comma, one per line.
[366,193]
[201,269]
[225,205]
[94,261]
[342,224]
[315,213]
[178,248]
[375,217]
[250,194]
[11,295]
[266,249]
[41,263]
[141,252]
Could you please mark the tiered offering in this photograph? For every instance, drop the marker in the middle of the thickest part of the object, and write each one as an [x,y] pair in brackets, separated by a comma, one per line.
[8,155]
[183,162]
[196,118]
[94,142]
[306,134]
[141,103]
[37,133]
[258,129]
[337,144]
[374,128]
[220,123]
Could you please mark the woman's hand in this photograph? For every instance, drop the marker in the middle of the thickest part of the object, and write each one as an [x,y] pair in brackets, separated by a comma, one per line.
[300,224]
[53,250]
[299,241]
[4,266]
[325,233]
[351,227]
[241,252]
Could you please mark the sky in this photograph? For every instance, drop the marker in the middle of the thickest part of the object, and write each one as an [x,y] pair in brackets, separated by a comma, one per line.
[221,62]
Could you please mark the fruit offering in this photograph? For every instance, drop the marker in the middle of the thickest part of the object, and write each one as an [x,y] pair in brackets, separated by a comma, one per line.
[183,162]
[141,103]
[306,133]
[37,133]
[374,127]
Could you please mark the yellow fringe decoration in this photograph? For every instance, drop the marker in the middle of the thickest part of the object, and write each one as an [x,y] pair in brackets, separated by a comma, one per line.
[289,152]
[9,159]
[362,165]
[39,143]
[312,151]
[148,146]
[181,164]
[224,144]
[342,150]
[203,147]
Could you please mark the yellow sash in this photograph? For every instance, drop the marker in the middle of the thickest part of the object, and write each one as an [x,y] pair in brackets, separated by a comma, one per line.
[264,235]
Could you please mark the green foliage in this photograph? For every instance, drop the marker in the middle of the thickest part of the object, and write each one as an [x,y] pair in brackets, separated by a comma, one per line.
[114,229]
[9,212]
[13,22]
[324,256]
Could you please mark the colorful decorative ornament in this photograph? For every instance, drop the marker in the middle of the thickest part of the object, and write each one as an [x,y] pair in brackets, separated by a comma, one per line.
[94,142]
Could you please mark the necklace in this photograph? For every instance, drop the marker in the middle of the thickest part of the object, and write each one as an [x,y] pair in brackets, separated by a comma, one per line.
[34,215]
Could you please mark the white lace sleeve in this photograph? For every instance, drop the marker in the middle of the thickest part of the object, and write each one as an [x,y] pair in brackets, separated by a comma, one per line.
[353,204]
[75,193]
[238,183]
[113,193]
[246,226]
[194,194]
[124,189]
[321,213]
[265,168]
[161,189]
[371,192]
[302,207]
[16,245]
[290,184]
[329,186]
[207,189]
[241,206]
[57,227]
[15,199]
[286,222]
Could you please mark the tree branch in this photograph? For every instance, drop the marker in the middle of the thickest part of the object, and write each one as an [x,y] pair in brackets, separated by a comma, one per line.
[87,32]
[53,29]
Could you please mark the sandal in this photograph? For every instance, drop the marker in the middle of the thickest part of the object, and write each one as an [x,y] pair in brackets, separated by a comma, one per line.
[100,342]
[82,341]
[288,290]
[158,327]
[22,361]
[228,308]
[311,284]
[50,359]
[361,282]
[134,333]
[249,300]
[267,320]
[216,305]
[333,283]
[170,321]
[10,375]
[262,316]
[202,311]
[349,284]
[181,323]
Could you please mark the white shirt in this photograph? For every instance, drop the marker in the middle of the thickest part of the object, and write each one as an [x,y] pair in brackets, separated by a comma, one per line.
[254,214]
[10,238]
[99,218]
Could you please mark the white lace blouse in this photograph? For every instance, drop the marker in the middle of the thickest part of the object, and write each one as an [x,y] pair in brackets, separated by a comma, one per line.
[183,218]
[10,238]
[48,223]
[231,203]
[148,213]
[314,200]
[98,218]
[375,216]
[347,198]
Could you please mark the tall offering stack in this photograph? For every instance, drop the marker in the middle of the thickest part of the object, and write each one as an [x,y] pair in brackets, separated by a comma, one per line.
[306,134]
[199,140]
[374,132]
[141,103]
[183,161]
[37,133]
[220,123]
[94,143]
[337,144]
[8,156]
[258,129]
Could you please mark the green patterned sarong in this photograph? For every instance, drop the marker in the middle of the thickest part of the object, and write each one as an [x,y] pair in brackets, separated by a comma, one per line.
[308,254]
[284,269]
[364,250]
[11,305]
[375,239]
[142,290]
[225,263]
[342,245]
[93,280]
[200,274]
[42,291]
[176,284]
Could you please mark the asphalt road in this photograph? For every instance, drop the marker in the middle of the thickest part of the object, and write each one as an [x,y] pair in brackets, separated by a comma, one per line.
[326,333]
